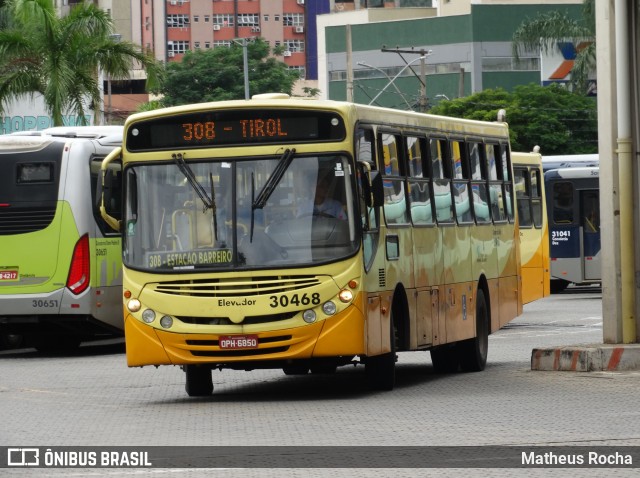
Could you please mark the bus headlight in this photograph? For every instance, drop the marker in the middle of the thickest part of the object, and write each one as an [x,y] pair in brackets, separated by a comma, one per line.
[134,305]
[309,316]
[346,296]
[166,322]
[148,316]
[329,308]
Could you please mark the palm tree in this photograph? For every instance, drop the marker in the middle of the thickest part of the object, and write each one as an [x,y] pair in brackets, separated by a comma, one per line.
[60,58]
[547,29]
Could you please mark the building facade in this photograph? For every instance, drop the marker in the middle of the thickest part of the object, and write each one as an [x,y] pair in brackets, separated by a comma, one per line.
[454,48]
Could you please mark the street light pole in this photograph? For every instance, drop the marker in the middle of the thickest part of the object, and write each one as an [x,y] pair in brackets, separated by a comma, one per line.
[116,37]
[243,43]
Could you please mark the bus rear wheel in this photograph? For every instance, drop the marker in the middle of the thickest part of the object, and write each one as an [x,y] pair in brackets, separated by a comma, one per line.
[473,352]
[381,369]
[558,285]
[199,381]
[445,358]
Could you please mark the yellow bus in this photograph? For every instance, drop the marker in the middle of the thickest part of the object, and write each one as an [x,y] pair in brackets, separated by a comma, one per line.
[231,261]
[533,225]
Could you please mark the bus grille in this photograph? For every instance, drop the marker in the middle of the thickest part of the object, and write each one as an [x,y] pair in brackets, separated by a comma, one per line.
[237,287]
[248,320]
[22,220]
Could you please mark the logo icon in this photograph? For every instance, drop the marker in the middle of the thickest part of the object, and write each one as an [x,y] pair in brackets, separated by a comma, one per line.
[23,457]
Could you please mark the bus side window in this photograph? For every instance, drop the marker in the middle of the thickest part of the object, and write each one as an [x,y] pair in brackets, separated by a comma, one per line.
[496,194]
[536,198]
[420,205]
[479,191]
[439,153]
[563,202]
[523,195]
[113,197]
[461,175]
[395,202]
[365,151]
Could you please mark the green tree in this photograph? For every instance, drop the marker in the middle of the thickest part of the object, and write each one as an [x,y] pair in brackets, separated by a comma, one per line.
[557,120]
[60,58]
[218,74]
[547,29]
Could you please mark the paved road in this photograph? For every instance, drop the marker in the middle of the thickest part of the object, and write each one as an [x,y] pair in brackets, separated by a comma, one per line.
[92,398]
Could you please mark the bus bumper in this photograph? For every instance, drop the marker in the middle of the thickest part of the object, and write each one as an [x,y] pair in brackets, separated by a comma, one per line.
[342,335]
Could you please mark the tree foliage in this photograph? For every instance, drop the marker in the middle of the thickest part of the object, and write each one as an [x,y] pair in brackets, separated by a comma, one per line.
[557,120]
[60,58]
[218,74]
[546,30]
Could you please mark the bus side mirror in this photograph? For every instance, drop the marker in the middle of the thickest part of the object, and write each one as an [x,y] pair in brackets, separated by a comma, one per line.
[106,187]
[371,185]
[377,190]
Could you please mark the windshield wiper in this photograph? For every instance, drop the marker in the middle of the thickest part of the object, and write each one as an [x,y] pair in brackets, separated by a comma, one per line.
[274,179]
[207,201]
[270,185]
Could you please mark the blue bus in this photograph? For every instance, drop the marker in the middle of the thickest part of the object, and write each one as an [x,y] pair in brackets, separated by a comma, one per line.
[573,206]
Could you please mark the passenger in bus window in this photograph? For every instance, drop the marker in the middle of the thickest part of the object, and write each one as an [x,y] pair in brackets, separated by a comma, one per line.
[323,203]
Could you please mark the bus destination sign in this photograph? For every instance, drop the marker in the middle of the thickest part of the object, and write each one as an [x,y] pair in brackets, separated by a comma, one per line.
[234,127]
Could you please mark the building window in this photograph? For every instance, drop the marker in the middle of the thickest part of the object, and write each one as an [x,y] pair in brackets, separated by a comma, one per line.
[178,21]
[207,18]
[207,45]
[266,18]
[294,45]
[219,43]
[300,69]
[224,20]
[293,19]
[248,20]
[196,18]
[177,46]
[509,63]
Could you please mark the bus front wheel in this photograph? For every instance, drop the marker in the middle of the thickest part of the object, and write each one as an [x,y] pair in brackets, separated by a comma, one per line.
[381,369]
[199,381]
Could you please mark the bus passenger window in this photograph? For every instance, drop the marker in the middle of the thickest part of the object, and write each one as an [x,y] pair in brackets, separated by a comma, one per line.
[536,198]
[442,199]
[523,197]
[461,182]
[395,203]
[418,187]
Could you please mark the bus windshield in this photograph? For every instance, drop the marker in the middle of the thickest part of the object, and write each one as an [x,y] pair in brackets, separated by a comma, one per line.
[207,216]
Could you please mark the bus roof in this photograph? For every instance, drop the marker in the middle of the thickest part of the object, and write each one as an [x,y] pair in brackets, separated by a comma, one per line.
[569,161]
[93,132]
[361,111]
[572,173]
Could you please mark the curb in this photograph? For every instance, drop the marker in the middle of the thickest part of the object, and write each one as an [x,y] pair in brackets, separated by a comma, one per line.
[587,358]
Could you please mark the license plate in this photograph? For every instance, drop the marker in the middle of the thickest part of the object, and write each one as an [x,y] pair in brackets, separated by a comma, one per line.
[238,342]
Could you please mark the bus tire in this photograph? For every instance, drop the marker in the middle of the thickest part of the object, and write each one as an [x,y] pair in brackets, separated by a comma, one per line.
[56,344]
[295,369]
[558,285]
[473,352]
[445,358]
[381,369]
[199,382]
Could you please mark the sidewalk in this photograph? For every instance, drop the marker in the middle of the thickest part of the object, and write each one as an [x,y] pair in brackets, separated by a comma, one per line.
[587,358]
